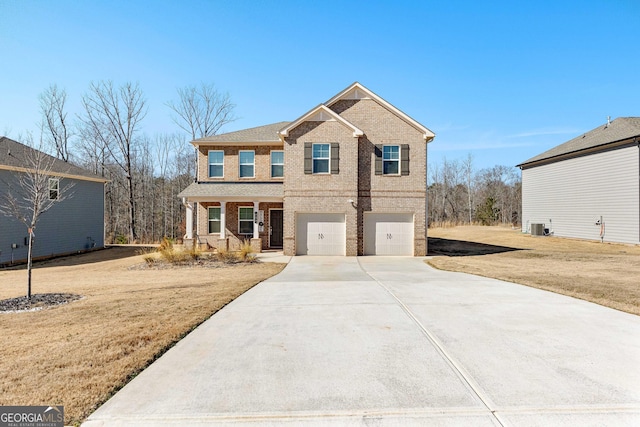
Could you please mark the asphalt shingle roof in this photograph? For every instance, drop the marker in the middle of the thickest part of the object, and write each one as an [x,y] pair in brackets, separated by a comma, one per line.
[267,133]
[14,154]
[618,130]
[233,189]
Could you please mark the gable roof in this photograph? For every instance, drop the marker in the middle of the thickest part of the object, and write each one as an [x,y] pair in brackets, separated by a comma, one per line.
[620,129]
[358,91]
[324,114]
[13,156]
[259,134]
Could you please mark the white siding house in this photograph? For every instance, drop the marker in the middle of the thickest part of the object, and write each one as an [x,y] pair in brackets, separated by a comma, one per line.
[588,187]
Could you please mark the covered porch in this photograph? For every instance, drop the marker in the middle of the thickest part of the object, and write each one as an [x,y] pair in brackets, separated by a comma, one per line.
[226,214]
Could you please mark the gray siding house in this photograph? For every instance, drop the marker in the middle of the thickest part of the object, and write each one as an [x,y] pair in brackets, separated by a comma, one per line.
[73,225]
[588,187]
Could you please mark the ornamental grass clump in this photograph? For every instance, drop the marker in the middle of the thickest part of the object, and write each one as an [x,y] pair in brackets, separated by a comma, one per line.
[246,252]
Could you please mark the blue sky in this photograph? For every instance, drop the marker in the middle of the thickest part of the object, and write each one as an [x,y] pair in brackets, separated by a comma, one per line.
[502,80]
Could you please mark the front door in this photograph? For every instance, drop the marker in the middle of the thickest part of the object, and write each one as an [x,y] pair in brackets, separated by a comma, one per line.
[275,222]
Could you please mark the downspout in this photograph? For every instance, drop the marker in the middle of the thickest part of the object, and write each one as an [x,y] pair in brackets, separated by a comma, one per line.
[638,145]
[426,198]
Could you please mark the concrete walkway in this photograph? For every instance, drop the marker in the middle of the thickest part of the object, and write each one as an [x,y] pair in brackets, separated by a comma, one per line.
[391,341]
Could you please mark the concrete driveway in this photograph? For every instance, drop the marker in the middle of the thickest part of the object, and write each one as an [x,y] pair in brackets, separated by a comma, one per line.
[391,341]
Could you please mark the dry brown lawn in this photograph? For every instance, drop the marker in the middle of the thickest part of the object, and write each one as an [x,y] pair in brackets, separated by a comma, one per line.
[79,354]
[604,273]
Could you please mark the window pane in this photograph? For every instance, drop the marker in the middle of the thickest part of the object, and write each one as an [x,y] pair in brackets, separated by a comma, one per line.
[277,171]
[214,220]
[390,167]
[246,164]
[246,157]
[246,171]
[214,213]
[216,171]
[54,186]
[320,166]
[391,152]
[320,151]
[246,227]
[246,213]
[277,157]
[216,157]
[214,227]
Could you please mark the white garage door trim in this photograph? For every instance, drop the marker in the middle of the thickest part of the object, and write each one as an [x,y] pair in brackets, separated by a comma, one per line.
[388,234]
[320,234]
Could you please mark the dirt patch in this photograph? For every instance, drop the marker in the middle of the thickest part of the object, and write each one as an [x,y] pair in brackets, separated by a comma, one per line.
[79,354]
[604,273]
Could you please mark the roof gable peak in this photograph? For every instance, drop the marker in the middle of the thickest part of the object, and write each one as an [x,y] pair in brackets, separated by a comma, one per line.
[357,91]
[321,113]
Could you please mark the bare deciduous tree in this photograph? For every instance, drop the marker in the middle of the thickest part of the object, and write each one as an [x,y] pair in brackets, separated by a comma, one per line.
[34,191]
[114,116]
[467,166]
[458,194]
[54,118]
[202,111]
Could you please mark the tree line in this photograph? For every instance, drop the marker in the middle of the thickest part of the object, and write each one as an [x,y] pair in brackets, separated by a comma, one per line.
[144,173]
[458,194]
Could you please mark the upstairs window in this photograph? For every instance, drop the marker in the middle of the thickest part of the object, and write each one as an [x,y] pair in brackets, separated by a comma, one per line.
[247,164]
[391,160]
[54,188]
[245,220]
[214,220]
[277,164]
[321,157]
[216,164]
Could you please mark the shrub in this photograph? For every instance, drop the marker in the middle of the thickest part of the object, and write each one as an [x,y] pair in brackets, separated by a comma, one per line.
[246,252]
[166,244]
[225,256]
[194,253]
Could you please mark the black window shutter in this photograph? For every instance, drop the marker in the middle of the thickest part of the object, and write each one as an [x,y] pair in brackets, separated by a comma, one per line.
[378,151]
[404,159]
[335,158]
[308,164]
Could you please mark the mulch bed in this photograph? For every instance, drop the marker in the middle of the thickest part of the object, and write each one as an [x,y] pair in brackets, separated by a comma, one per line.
[37,302]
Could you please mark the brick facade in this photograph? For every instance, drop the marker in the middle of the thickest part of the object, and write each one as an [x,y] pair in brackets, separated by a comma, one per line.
[262,165]
[357,179]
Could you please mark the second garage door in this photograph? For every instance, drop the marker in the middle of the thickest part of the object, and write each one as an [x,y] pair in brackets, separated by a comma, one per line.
[320,234]
[388,234]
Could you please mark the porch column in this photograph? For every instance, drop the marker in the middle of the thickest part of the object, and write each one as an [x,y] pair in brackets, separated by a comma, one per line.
[223,219]
[189,213]
[256,229]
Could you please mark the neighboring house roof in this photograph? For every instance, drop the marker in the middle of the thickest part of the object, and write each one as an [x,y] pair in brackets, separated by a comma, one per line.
[358,91]
[259,134]
[620,129]
[323,114]
[13,156]
[231,190]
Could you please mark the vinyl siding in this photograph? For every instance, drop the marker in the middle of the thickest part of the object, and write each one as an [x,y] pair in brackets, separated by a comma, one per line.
[571,195]
[65,228]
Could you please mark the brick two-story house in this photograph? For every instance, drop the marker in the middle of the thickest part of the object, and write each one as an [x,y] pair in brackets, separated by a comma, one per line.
[346,178]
